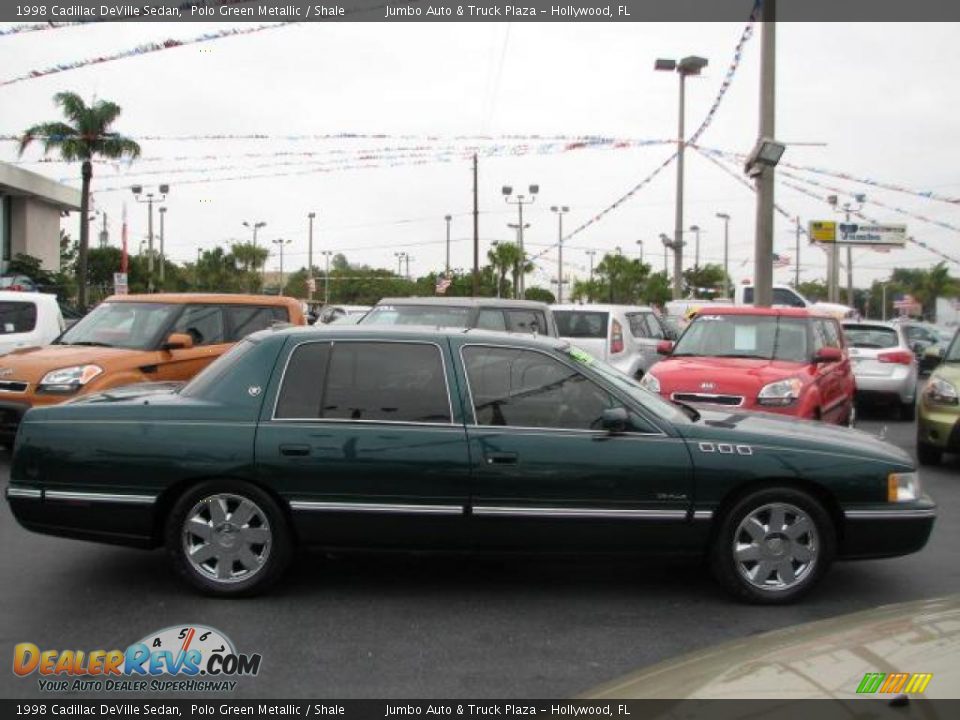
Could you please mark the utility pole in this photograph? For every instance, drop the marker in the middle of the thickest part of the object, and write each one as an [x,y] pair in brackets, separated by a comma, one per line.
[163,255]
[311,280]
[640,243]
[560,210]
[197,269]
[726,253]
[591,253]
[446,272]
[406,258]
[847,210]
[281,243]
[326,277]
[796,266]
[763,252]
[476,232]
[695,229]
[399,256]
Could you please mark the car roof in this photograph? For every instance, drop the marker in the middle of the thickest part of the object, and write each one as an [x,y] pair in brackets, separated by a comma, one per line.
[751,310]
[464,302]
[218,298]
[430,333]
[597,307]
[871,323]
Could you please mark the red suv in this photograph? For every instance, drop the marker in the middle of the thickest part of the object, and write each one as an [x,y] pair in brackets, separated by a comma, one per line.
[783,360]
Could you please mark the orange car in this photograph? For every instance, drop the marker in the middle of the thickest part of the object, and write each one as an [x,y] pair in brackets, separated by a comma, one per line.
[132,339]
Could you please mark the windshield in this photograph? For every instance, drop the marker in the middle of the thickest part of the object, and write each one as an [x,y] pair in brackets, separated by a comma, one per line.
[652,402]
[135,326]
[439,315]
[952,355]
[764,337]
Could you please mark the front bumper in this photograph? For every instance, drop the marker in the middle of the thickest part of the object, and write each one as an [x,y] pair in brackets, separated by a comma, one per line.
[937,426]
[886,530]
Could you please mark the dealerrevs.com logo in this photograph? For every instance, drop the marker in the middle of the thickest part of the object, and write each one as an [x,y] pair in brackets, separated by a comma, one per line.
[181,658]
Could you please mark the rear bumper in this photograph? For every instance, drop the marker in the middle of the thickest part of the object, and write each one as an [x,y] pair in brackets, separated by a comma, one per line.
[115,518]
[889,530]
[901,388]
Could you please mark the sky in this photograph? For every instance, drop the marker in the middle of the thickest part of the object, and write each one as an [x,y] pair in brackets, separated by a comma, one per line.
[871,100]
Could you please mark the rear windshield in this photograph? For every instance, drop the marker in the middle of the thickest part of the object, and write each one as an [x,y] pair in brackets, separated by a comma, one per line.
[581,323]
[443,316]
[17,317]
[871,336]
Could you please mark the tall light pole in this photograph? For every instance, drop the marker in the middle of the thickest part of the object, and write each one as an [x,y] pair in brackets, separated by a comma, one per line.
[281,243]
[137,193]
[691,65]
[311,281]
[520,201]
[326,276]
[254,226]
[726,253]
[640,243]
[761,169]
[677,247]
[163,256]
[400,256]
[560,210]
[448,218]
[695,229]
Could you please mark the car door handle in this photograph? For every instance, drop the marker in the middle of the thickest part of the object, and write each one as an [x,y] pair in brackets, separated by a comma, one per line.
[295,450]
[503,458]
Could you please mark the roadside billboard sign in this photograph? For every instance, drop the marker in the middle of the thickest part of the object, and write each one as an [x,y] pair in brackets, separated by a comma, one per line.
[886,235]
[119,283]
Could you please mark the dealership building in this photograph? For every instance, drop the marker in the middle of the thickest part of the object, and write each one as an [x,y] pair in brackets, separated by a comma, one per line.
[30,209]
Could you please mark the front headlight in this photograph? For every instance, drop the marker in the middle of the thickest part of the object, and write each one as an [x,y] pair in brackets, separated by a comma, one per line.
[903,487]
[650,382]
[69,379]
[940,392]
[780,393]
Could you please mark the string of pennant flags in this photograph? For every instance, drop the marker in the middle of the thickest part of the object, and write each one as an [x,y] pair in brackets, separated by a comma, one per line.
[35,27]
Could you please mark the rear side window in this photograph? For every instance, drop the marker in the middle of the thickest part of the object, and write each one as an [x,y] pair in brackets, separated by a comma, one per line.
[491,320]
[17,317]
[246,319]
[645,325]
[373,381]
[871,336]
[204,323]
[584,323]
[781,296]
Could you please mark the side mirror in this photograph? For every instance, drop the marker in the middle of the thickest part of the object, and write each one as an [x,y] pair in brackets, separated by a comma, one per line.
[615,420]
[178,341]
[828,355]
[934,354]
[664,347]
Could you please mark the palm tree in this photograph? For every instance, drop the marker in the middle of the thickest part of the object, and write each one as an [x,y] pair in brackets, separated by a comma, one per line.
[505,257]
[87,137]
[936,283]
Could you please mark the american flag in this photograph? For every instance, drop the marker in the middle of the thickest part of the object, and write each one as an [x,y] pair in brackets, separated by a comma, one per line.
[781,261]
[442,284]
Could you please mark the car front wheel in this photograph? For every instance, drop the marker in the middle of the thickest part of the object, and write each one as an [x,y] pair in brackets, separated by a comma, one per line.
[929,454]
[773,546]
[228,538]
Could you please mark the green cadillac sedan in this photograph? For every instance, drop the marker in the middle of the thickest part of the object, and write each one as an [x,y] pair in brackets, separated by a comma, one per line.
[357,437]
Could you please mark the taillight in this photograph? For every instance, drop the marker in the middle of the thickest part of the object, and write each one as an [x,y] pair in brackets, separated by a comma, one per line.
[616,338]
[900,357]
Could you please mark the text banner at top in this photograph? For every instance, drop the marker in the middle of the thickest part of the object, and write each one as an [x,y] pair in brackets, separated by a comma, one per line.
[91,11]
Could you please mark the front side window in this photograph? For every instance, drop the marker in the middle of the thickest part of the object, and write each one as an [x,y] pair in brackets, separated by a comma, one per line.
[136,326]
[525,388]
[204,323]
[17,317]
[371,381]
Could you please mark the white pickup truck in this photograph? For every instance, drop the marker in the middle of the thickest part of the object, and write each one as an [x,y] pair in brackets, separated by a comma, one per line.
[783,296]
[28,319]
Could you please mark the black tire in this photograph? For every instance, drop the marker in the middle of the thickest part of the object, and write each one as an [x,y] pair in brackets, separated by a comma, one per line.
[928,454]
[265,537]
[908,411]
[775,587]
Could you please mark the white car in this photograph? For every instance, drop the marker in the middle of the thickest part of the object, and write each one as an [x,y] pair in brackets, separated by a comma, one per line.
[883,364]
[625,336]
[28,319]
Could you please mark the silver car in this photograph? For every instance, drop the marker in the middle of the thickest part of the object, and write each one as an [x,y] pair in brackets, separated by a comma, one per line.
[883,363]
[625,336]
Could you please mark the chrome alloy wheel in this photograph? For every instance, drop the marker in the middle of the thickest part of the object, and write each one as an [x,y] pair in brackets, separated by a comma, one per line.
[776,546]
[226,538]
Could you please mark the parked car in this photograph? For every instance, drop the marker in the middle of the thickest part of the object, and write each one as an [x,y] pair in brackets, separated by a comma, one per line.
[939,409]
[445,440]
[329,313]
[625,336]
[786,296]
[883,364]
[522,316]
[18,283]
[782,360]
[929,355]
[131,339]
[28,320]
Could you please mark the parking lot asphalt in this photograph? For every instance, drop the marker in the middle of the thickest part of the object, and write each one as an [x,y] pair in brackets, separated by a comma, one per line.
[437,627]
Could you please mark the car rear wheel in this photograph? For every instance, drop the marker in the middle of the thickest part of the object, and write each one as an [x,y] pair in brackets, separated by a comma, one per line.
[908,411]
[929,454]
[228,538]
[773,546]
